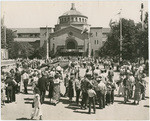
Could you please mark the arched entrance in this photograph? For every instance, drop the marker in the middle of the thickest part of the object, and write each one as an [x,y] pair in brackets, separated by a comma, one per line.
[71,45]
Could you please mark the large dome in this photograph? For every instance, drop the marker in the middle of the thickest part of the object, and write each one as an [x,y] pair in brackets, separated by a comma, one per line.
[73,11]
[71,17]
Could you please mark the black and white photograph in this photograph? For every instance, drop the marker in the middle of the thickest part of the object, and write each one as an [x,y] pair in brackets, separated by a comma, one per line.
[75,60]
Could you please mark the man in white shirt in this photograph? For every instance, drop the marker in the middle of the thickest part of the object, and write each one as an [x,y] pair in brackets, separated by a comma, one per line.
[101,92]
[91,94]
[25,78]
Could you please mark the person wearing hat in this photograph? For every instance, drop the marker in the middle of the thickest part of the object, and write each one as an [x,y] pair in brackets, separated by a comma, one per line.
[127,87]
[10,83]
[3,89]
[85,84]
[35,81]
[37,112]
[18,79]
[66,84]
[132,80]
[25,78]
[110,74]
[101,92]
[56,89]
[91,95]
[42,85]
[78,89]
[84,88]
[70,87]
[51,86]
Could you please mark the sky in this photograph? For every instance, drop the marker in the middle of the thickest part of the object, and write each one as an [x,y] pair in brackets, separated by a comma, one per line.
[35,14]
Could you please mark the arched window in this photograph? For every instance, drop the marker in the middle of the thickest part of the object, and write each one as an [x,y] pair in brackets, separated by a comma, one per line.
[80,19]
[72,19]
[76,19]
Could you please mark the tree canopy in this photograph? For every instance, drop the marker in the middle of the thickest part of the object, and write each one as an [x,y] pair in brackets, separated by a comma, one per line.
[134,43]
[20,49]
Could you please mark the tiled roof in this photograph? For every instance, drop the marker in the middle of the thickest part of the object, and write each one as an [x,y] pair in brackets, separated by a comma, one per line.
[26,30]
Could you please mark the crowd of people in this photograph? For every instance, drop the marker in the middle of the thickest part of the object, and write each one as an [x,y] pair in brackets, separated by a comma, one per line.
[96,86]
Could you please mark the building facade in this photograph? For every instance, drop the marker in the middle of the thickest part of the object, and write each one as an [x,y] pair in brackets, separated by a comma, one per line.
[67,37]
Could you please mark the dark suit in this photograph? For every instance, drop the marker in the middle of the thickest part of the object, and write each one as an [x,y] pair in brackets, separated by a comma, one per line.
[10,83]
[42,85]
[18,80]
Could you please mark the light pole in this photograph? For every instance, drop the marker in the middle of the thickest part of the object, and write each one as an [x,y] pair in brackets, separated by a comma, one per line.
[89,45]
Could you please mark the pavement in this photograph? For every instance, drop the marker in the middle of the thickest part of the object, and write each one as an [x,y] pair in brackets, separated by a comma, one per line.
[22,108]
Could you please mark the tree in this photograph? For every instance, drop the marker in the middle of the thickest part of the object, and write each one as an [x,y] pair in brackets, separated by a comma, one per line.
[129,43]
[142,39]
[20,49]
[40,52]
[9,37]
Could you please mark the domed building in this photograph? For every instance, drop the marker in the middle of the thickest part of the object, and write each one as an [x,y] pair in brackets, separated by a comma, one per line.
[71,17]
[68,37]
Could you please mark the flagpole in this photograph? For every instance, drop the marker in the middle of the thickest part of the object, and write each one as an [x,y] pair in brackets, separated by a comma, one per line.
[142,6]
[89,54]
[47,48]
[120,38]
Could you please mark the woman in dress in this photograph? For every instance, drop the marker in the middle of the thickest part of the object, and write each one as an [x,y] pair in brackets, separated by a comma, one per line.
[137,93]
[56,89]
[138,84]
[37,112]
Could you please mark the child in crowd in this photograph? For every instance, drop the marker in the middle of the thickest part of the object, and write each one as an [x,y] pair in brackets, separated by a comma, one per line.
[37,112]
[92,95]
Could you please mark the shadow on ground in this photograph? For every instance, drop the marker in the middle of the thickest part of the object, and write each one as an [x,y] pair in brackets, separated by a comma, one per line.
[81,112]
[48,103]
[28,98]
[128,103]
[28,102]
[64,101]
[24,119]
[147,106]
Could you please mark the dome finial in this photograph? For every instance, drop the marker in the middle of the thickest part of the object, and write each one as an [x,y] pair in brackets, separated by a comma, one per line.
[73,6]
